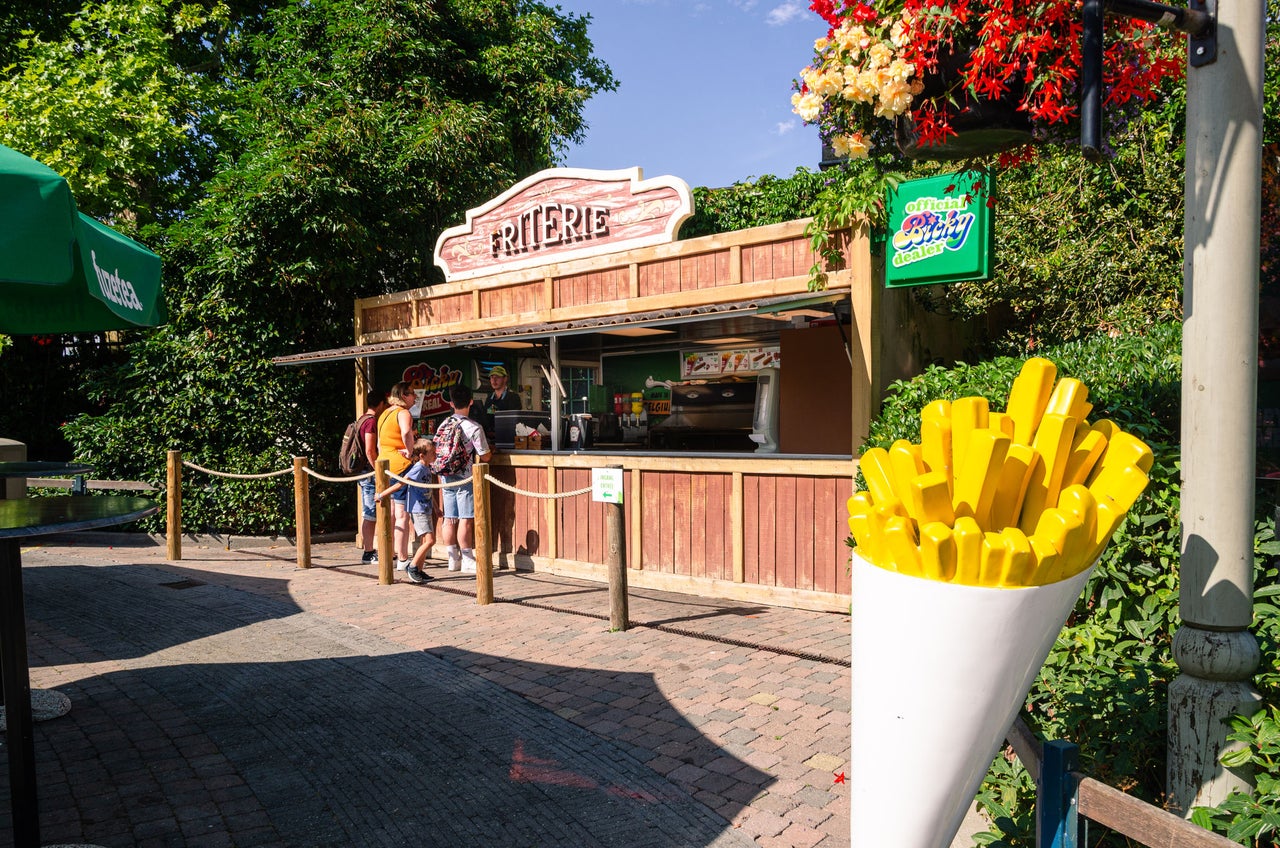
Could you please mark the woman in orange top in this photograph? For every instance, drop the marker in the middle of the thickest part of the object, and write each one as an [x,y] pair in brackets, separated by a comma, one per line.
[395,445]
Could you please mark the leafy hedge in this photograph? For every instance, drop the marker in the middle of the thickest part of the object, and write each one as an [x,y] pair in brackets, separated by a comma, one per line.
[1105,683]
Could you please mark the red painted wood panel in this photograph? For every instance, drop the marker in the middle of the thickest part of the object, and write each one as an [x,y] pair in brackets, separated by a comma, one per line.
[650,521]
[844,491]
[826,536]
[807,519]
[750,528]
[716,542]
[382,318]
[784,564]
[666,523]
[768,519]
[698,523]
[680,523]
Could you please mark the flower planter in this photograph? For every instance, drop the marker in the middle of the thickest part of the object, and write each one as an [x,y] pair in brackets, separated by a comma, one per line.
[982,126]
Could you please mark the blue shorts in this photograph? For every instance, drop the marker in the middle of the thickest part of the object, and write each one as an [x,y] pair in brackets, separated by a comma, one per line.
[368,488]
[459,501]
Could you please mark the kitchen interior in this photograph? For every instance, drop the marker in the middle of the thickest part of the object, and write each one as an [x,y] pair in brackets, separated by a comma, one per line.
[765,383]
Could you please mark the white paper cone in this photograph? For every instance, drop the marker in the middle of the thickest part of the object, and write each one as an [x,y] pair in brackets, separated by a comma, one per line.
[939,672]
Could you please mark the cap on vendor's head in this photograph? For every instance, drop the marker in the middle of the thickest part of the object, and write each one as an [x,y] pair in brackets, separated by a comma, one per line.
[498,371]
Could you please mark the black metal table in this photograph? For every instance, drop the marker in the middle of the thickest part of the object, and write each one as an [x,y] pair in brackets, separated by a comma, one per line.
[21,519]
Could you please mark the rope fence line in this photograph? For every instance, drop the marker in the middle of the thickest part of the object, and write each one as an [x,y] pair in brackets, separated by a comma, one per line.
[385,527]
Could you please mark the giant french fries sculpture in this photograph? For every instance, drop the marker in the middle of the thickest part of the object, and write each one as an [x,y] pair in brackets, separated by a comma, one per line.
[1045,488]
[972,548]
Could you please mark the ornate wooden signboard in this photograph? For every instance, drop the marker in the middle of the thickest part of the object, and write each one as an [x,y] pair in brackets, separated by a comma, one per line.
[564,213]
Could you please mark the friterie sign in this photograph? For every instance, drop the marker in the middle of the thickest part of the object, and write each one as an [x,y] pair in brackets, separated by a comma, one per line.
[564,213]
[940,230]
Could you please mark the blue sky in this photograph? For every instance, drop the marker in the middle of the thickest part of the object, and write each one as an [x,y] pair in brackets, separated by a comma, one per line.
[704,88]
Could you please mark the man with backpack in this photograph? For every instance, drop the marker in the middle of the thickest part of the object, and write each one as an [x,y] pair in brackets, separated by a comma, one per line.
[358,458]
[459,442]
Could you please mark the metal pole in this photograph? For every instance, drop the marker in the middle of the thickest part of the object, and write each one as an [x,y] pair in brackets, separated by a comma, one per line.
[19,735]
[556,398]
[1057,819]
[1091,82]
[1215,652]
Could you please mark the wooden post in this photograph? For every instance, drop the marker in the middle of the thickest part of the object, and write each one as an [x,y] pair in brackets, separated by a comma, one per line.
[385,528]
[173,511]
[483,534]
[615,558]
[302,510]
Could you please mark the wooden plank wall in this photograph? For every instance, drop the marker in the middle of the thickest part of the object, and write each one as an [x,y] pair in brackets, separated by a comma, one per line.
[793,526]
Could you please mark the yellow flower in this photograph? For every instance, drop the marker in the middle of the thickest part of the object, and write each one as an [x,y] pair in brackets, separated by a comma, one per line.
[880,54]
[853,90]
[900,70]
[898,33]
[807,106]
[895,98]
[868,81]
[828,84]
[848,39]
[820,44]
[853,145]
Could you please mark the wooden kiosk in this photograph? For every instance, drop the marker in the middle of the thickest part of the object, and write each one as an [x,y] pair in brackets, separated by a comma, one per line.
[578,275]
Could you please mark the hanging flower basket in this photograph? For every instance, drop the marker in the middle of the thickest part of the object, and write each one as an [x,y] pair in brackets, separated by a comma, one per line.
[959,79]
[980,125]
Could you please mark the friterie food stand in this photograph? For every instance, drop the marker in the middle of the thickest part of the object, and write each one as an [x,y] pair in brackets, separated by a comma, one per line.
[672,358]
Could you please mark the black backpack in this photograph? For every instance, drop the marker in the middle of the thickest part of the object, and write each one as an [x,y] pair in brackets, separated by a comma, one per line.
[351,457]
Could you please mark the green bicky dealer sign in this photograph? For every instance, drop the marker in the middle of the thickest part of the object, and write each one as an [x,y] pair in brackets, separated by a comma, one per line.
[940,230]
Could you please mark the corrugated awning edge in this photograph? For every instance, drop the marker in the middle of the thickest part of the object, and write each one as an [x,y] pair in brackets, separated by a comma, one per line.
[581,325]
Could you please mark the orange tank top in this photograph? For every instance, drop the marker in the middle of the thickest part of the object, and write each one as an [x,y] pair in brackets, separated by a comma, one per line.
[390,441]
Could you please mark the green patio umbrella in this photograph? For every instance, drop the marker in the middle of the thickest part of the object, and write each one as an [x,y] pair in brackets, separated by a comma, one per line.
[61,271]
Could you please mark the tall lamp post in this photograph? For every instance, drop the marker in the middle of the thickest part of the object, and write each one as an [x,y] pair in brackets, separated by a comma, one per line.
[1215,652]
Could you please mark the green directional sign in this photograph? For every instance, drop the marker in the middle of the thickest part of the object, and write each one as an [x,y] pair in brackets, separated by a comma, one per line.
[940,230]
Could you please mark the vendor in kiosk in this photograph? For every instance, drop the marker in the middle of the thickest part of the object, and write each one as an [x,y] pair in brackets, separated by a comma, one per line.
[500,398]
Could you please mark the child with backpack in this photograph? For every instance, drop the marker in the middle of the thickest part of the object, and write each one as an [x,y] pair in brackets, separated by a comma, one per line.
[421,506]
[459,441]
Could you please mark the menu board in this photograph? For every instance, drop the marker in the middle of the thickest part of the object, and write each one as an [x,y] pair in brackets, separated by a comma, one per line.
[715,363]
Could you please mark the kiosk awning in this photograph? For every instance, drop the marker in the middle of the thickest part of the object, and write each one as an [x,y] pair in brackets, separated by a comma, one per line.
[762,306]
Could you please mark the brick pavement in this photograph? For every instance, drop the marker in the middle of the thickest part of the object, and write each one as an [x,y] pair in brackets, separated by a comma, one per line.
[233,699]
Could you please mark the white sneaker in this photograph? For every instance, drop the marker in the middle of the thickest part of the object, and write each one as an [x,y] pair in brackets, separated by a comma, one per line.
[402,564]
[455,561]
[468,563]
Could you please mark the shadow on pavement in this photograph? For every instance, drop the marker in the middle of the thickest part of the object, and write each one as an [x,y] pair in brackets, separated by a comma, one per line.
[219,717]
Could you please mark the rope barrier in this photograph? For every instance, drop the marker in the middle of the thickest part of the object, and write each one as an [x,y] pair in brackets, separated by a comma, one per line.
[237,476]
[464,481]
[354,479]
[542,495]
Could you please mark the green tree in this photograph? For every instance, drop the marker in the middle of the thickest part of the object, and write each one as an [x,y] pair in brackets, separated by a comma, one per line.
[361,129]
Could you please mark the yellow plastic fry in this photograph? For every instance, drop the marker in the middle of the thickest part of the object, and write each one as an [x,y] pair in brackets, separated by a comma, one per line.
[901,546]
[938,410]
[905,465]
[930,493]
[978,475]
[1053,444]
[1063,531]
[1109,518]
[1070,397]
[937,551]
[1020,563]
[878,473]
[1085,453]
[1126,449]
[994,559]
[1047,560]
[935,444]
[870,541]
[1080,502]
[967,414]
[1028,397]
[1001,422]
[1011,486]
[967,536]
[1119,486]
